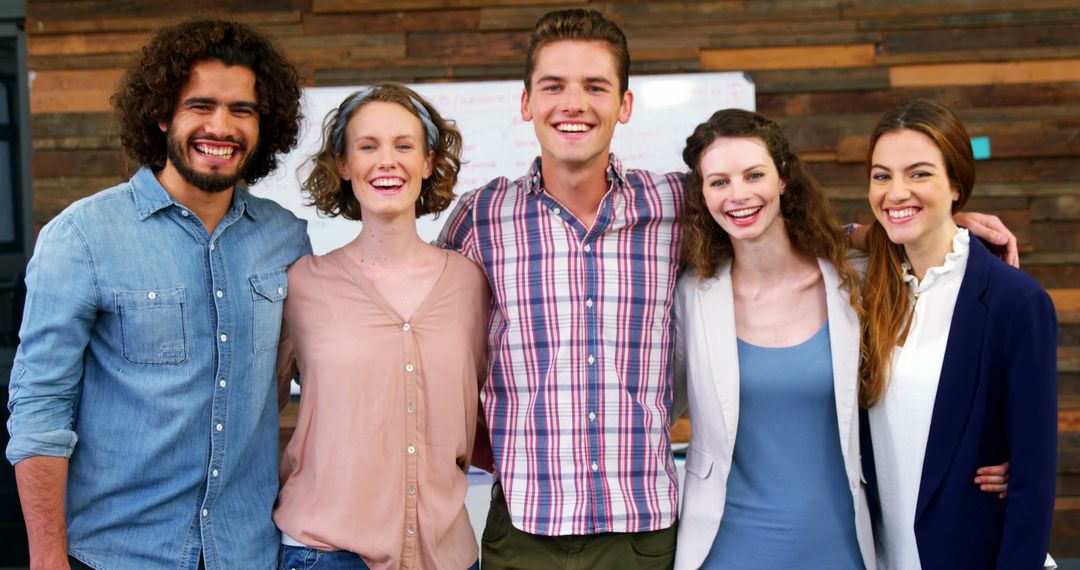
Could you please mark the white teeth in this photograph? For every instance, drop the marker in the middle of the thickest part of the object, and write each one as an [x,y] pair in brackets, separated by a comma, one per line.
[903,213]
[572,127]
[745,212]
[387,182]
[216,151]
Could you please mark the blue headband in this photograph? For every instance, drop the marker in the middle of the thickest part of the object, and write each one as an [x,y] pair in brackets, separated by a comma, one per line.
[431,132]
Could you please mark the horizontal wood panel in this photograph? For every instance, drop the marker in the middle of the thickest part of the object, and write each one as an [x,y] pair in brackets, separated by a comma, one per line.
[908,8]
[325,24]
[1067,303]
[802,57]
[334,6]
[73,91]
[83,44]
[58,163]
[953,20]
[108,16]
[458,45]
[1003,100]
[1038,71]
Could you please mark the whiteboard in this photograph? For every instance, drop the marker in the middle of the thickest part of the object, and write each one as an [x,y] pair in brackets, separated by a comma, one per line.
[498,143]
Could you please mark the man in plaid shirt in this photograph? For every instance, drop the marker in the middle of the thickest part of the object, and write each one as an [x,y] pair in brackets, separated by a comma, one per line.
[581,255]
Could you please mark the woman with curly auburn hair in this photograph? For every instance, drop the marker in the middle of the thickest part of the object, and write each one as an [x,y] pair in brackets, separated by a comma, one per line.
[388,336]
[959,362]
[768,336]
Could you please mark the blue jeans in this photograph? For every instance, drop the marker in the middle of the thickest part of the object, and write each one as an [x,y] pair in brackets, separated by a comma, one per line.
[304,558]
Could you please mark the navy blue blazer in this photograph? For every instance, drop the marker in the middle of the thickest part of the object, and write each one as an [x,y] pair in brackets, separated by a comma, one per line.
[996,401]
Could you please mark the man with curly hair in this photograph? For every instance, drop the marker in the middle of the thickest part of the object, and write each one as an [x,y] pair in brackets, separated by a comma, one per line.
[143,389]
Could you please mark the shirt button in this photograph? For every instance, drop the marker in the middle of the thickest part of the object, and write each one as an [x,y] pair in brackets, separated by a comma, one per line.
[405,327]
[411,531]
[223,338]
[280,290]
[591,359]
[212,246]
[588,303]
[592,416]
[408,368]
[557,211]
[184,213]
[411,449]
[220,294]
[151,295]
[410,408]
[221,383]
[594,466]
[205,512]
[587,248]
[214,472]
[412,489]
[220,427]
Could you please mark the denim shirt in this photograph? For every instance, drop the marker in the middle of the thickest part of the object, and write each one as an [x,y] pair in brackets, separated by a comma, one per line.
[147,357]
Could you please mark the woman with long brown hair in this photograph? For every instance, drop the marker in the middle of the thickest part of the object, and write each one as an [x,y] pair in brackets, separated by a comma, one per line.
[959,362]
[768,334]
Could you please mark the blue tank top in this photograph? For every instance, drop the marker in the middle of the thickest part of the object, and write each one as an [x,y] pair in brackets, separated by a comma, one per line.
[788,503]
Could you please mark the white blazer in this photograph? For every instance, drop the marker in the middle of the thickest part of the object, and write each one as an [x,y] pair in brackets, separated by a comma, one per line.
[707,372]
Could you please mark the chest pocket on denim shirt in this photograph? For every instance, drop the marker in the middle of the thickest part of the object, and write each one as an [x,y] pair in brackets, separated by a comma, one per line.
[152,325]
[268,290]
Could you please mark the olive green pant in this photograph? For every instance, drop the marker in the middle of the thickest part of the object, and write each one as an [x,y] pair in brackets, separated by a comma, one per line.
[506,547]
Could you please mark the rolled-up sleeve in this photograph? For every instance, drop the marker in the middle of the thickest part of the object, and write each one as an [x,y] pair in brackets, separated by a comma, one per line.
[60,311]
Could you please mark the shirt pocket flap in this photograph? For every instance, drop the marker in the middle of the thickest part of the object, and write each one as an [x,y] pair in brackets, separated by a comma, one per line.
[270,285]
[698,462]
[150,298]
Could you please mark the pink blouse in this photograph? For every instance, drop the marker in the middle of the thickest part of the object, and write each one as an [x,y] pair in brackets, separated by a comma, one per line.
[377,464]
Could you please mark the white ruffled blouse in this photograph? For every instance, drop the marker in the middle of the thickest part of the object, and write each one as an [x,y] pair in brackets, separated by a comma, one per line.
[900,423]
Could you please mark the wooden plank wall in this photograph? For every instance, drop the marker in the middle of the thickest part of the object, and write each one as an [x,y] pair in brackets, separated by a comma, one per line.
[826,68]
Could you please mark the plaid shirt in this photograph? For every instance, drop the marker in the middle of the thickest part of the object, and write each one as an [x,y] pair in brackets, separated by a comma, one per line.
[580,349]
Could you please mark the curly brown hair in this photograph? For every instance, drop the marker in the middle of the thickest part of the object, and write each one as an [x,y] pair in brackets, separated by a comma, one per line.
[809,221]
[150,89]
[332,195]
[886,300]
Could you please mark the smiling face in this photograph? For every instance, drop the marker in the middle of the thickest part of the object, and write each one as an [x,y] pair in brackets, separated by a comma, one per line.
[575,103]
[742,187]
[385,160]
[910,191]
[215,128]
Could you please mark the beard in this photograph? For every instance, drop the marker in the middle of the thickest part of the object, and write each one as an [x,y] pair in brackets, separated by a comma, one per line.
[212,181]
